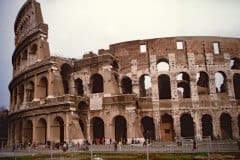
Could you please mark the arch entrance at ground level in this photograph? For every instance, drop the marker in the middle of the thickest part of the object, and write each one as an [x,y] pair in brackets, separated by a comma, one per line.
[207,127]
[41,131]
[97,129]
[148,128]
[57,129]
[120,124]
[226,126]
[28,132]
[187,126]
[166,127]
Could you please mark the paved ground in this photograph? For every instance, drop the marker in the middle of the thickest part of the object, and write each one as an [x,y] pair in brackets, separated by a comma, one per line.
[172,147]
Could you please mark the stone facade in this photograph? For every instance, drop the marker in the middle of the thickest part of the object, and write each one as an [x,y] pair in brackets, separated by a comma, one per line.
[158,89]
[3,127]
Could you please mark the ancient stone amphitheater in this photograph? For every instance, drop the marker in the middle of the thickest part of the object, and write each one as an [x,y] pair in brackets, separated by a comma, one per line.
[158,89]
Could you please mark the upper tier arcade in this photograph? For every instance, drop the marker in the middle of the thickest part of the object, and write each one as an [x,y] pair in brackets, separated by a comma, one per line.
[31,35]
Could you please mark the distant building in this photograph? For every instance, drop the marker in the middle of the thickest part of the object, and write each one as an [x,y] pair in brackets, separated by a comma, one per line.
[158,89]
[3,127]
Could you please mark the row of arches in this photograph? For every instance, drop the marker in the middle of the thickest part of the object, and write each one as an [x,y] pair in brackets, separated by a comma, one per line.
[28,90]
[27,57]
[163,64]
[23,132]
[183,84]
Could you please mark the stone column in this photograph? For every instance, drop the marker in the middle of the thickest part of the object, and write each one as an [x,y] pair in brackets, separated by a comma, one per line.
[156,117]
[49,138]
[66,128]
[176,125]
[72,89]
[50,84]
[135,85]
[89,136]
[197,125]
[36,95]
[235,128]
[34,137]
[216,126]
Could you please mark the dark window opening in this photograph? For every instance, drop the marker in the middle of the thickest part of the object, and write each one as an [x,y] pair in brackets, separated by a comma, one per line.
[21,94]
[164,87]
[187,126]
[236,85]
[207,127]
[97,128]
[66,70]
[148,128]
[97,83]
[115,66]
[34,49]
[235,63]
[126,85]
[226,126]
[120,129]
[202,83]
[79,87]
[30,91]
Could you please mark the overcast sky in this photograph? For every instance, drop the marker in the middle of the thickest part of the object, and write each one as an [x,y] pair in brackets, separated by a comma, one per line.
[78,26]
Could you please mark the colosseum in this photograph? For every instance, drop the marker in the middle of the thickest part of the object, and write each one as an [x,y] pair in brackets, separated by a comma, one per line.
[161,89]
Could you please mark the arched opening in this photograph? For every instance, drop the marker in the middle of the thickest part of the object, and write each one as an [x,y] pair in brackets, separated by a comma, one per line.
[66,70]
[41,131]
[126,84]
[34,49]
[97,129]
[162,65]
[18,131]
[235,63]
[166,125]
[97,83]
[202,83]
[220,82]
[239,124]
[207,127]
[115,66]
[43,87]
[236,82]
[145,85]
[21,94]
[32,54]
[164,87]
[58,130]
[24,58]
[183,84]
[226,126]
[30,91]
[120,124]
[28,132]
[148,128]
[187,126]
[79,87]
